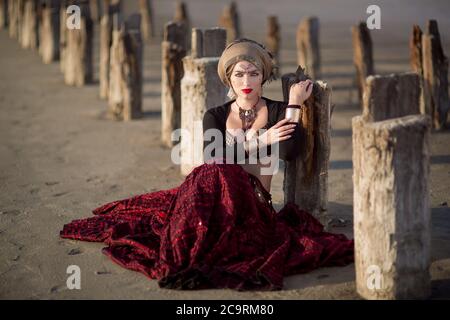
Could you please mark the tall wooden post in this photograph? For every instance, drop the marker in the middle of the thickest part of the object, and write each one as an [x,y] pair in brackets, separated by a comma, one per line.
[273,39]
[29,26]
[147,24]
[308,50]
[306,178]
[229,20]
[49,31]
[125,80]
[3,14]
[435,75]
[78,63]
[174,49]
[362,56]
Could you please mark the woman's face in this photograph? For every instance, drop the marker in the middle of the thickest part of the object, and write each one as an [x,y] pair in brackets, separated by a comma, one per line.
[246,80]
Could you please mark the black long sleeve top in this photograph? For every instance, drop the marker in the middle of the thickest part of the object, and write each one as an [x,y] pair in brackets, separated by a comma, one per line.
[215,118]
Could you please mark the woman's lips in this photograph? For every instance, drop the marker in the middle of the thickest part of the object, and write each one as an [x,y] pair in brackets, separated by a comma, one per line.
[247,91]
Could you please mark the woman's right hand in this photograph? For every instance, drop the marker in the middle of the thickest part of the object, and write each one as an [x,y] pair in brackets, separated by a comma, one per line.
[279,132]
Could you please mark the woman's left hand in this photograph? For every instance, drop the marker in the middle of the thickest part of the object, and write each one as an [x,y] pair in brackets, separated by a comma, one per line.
[300,92]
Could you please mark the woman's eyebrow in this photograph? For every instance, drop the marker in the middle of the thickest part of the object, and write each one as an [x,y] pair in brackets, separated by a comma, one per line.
[254,70]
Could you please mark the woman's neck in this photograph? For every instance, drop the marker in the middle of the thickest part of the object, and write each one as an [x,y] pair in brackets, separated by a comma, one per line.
[247,104]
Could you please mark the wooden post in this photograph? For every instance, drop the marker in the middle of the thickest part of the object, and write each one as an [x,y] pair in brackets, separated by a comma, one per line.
[3,14]
[435,74]
[94,9]
[391,96]
[29,31]
[391,207]
[308,51]
[201,89]
[362,56]
[230,21]
[110,13]
[62,34]
[416,61]
[14,18]
[49,32]
[78,63]
[147,26]
[174,48]
[306,178]
[125,81]
[273,39]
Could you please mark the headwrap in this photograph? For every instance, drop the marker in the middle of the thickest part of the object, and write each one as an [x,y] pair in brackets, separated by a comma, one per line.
[248,50]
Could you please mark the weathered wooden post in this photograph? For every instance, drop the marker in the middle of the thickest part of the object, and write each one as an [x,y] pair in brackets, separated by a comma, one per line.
[49,31]
[435,76]
[29,31]
[62,34]
[14,18]
[110,12]
[306,178]
[362,56]
[94,9]
[273,39]
[308,50]
[3,14]
[125,80]
[229,20]
[147,24]
[391,96]
[78,64]
[391,207]
[174,49]
[201,89]
[391,193]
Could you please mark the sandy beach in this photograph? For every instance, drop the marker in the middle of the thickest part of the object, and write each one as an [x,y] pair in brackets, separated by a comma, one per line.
[61,157]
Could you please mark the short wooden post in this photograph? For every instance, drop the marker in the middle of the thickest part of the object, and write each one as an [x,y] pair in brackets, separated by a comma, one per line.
[125,81]
[391,96]
[147,24]
[229,20]
[49,32]
[174,49]
[435,75]
[78,63]
[273,40]
[201,89]
[306,178]
[391,207]
[362,56]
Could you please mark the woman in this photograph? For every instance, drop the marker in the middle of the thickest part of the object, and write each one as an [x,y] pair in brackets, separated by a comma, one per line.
[218,229]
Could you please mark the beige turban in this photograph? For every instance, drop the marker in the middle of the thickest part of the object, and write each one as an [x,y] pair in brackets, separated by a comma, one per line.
[248,50]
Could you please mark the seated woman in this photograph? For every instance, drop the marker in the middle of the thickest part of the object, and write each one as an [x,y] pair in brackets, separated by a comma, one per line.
[218,229]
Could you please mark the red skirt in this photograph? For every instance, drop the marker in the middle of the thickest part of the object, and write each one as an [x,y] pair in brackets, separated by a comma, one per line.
[218,229]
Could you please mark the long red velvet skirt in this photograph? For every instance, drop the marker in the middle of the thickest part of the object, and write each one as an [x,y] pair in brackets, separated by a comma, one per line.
[217,229]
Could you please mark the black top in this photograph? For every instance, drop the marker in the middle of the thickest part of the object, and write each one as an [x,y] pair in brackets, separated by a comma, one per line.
[216,118]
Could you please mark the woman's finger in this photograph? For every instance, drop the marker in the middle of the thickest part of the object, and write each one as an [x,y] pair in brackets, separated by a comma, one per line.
[280,123]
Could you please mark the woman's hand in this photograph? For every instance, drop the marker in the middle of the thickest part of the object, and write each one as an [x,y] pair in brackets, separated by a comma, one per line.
[279,132]
[300,92]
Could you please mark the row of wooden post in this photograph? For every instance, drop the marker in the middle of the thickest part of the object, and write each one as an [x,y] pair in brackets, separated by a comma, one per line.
[427,59]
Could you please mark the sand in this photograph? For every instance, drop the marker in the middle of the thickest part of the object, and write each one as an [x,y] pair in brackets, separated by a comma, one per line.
[60,157]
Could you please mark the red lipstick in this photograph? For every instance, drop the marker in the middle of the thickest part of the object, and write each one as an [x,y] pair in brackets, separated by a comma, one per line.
[247,91]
